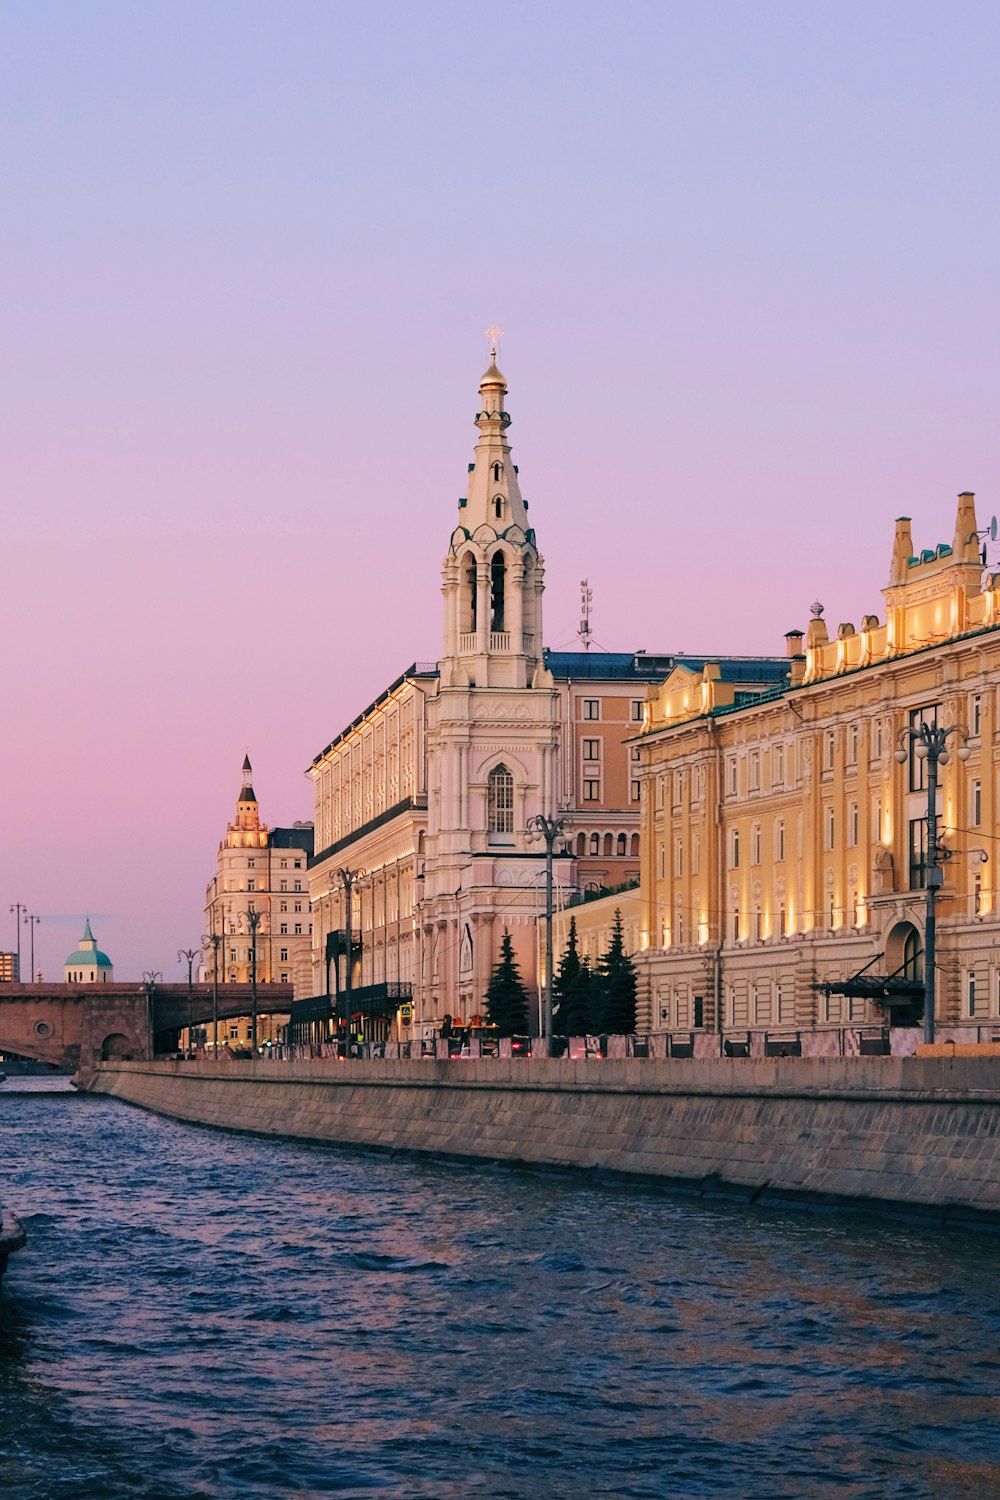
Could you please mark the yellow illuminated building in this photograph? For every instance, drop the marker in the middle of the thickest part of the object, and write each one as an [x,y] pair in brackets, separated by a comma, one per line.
[783,843]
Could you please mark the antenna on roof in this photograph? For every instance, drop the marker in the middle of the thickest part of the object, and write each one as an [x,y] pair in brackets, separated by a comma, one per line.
[586,600]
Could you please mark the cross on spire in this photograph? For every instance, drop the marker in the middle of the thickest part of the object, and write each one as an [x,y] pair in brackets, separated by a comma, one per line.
[494,335]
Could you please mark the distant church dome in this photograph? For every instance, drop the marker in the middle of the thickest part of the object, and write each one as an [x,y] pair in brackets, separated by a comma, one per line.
[88,965]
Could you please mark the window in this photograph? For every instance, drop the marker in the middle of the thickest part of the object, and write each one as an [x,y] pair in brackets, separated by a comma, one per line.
[731,777]
[283,906]
[877,740]
[283,928]
[636,711]
[779,840]
[918,854]
[779,1003]
[829,828]
[283,885]
[778,765]
[251,885]
[250,864]
[297,886]
[852,744]
[916,763]
[756,924]
[734,849]
[298,864]
[284,979]
[735,925]
[298,929]
[755,844]
[591,791]
[976,716]
[232,955]
[971,992]
[977,893]
[660,864]
[284,864]
[636,754]
[595,843]
[829,745]
[622,845]
[298,906]
[977,803]
[695,855]
[782,921]
[636,791]
[591,749]
[753,771]
[591,708]
[500,801]
[678,856]
[283,955]
[852,826]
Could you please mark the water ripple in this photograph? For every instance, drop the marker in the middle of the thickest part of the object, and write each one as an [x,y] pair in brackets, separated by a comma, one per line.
[204,1315]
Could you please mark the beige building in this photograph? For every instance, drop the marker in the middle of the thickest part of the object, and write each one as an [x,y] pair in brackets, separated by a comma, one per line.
[261,872]
[425,797]
[784,846]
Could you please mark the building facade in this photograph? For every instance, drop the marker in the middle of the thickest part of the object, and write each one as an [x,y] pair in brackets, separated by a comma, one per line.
[257,902]
[422,803]
[784,845]
[9,968]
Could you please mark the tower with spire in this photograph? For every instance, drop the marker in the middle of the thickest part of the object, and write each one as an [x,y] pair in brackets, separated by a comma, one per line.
[88,965]
[492,578]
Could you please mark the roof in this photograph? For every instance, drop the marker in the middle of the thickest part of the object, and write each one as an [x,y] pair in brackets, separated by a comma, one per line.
[247,794]
[416,669]
[299,837]
[84,957]
[643,666]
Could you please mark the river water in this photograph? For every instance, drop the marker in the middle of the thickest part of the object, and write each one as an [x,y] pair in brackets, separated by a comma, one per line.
[204,1314]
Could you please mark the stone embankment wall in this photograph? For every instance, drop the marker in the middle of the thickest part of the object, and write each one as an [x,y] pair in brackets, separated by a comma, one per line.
[917,1132]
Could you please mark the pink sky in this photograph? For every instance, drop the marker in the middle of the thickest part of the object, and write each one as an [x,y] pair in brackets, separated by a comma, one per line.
[746,258]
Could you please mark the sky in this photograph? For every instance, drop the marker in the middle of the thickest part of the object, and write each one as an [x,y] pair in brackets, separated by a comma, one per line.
[745,257]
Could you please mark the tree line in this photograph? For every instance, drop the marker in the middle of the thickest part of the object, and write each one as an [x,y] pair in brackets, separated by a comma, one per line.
[587,998]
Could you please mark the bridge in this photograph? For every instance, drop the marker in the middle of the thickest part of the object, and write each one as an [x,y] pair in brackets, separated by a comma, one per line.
[77,1025]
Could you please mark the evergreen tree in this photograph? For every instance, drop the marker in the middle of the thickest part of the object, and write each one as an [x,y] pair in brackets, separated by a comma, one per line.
[616,983]
[506,996]
[571,990]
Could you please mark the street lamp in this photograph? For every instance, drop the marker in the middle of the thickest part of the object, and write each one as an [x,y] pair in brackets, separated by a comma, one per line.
[215,939]
[190,954]
[549,829]
[348,878]
[150,979]
[254,918]
[32,922]
[928,742]
[16,910]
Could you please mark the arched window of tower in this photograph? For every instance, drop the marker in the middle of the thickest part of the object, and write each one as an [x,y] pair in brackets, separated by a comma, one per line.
[498,507]
[498,573]
[471,595]
[500,801]
[497,472]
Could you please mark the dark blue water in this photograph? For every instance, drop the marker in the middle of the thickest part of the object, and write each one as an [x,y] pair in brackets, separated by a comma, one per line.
[200,1314]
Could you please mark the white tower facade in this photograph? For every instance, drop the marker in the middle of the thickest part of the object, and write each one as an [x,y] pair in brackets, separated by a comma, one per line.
[493,732]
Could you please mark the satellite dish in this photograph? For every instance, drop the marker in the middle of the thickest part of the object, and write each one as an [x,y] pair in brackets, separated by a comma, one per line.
[993,528]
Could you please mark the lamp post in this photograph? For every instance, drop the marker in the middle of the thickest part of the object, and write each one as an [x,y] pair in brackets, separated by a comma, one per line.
[549,829]
[215,939]
[253,922]
[150,979]
[32,922]
[348,878]
[190,954]
[929,743]
[16,910]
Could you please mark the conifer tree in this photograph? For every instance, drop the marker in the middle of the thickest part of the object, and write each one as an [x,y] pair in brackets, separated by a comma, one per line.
[616,984]
[571,990]
[506,996]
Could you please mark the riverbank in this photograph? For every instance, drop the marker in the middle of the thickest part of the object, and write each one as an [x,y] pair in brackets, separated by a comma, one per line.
[915,1134]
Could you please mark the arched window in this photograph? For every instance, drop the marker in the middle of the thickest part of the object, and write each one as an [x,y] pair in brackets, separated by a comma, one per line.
[595,843]
[497,578]
[912,967]
[498,507]
[497,472]
[581,843]
[500,801]
[472,593]
[607,845]
[621,843]
[635,846]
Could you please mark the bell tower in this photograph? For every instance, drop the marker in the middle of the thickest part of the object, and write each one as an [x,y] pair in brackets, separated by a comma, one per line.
[492,578]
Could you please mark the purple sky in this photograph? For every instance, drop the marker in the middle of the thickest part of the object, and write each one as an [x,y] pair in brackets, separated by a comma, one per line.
[746,258]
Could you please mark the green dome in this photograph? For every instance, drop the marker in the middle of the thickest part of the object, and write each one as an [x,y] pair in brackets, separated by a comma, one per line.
[88,956]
